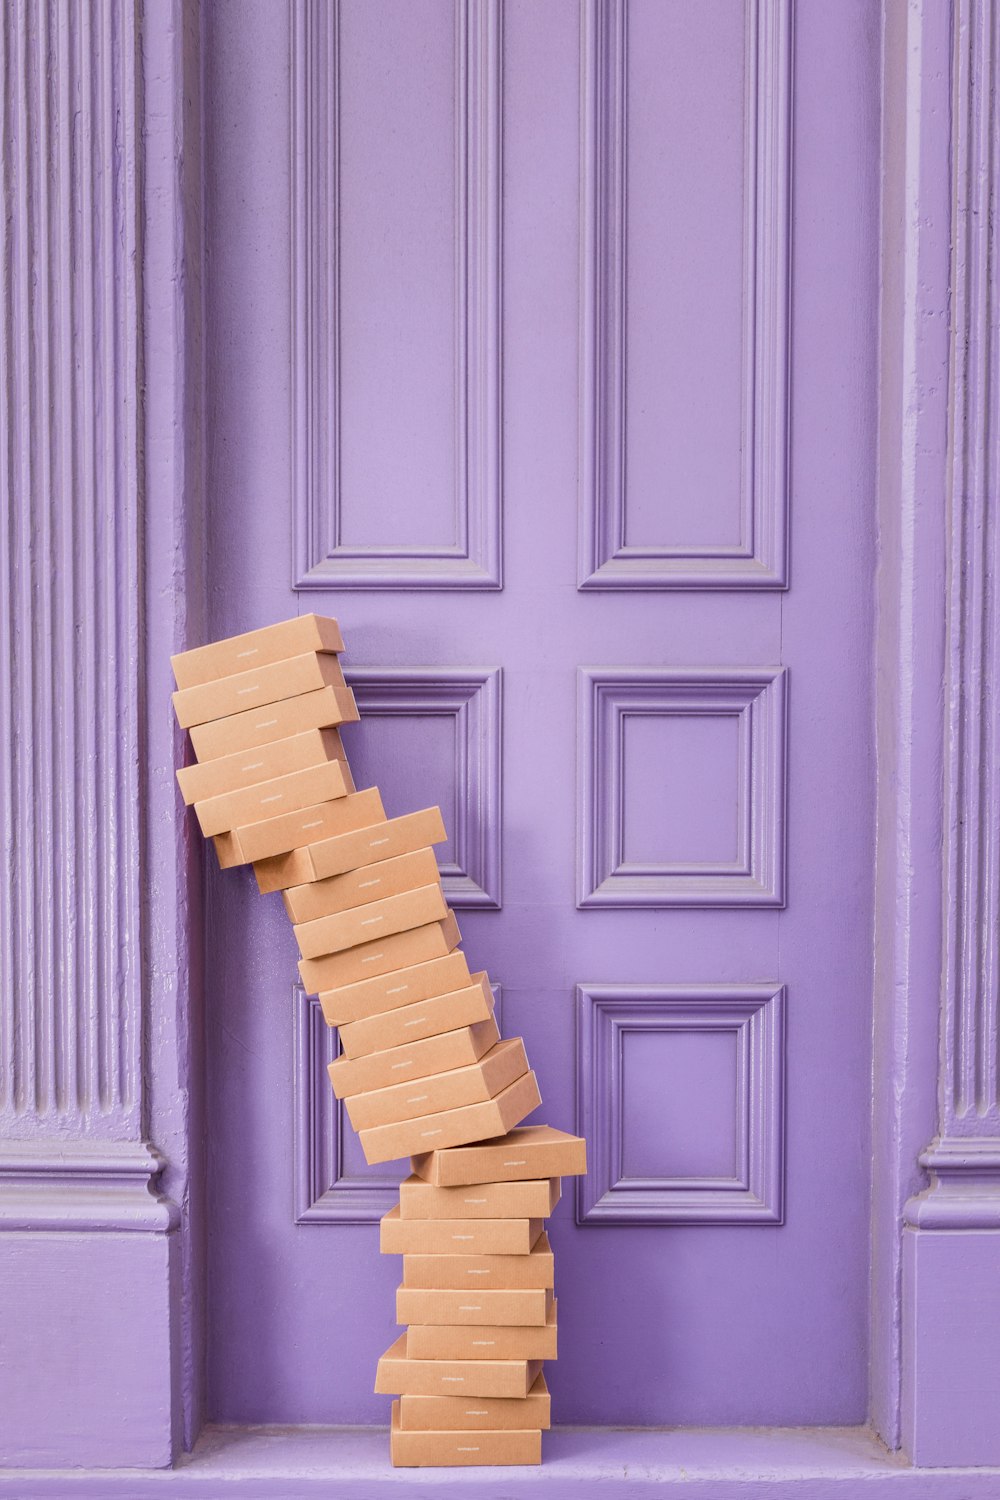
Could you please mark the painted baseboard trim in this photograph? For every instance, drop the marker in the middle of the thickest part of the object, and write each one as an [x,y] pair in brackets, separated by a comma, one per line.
[618,1464]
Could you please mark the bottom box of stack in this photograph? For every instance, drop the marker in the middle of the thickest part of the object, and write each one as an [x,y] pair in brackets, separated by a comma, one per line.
[463,1446]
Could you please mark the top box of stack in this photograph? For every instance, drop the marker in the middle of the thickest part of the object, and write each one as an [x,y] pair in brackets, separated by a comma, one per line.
[256,648]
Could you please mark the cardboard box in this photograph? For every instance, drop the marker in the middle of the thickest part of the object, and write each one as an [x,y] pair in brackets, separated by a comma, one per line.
[532,1151]
[269,799]
[398,1375]
[390,877]
[532,1199]
[415,1060]
[463,1237]
[498,1307]
[483,1340]
[536,1269]
[400,988]
[460,1450]
[418,946]
[279,721]
[293,830]
[361,847]
[413,1023]
[362,924]
[473,1084]
[256,689]
[490,1413]
[256,648]
[454,1127]
[229,773]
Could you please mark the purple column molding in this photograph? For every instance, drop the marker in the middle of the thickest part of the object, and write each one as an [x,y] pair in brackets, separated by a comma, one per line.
[90,1370]
[951,1245]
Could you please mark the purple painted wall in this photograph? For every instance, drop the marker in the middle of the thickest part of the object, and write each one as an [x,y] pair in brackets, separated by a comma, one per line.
[626,385]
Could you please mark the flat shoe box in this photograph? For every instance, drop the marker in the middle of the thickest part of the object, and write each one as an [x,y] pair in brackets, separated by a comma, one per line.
[490,1413]
[289,830]
[335,856]
[325,707]
[346,929]
[532,1199]
[416,1060]
[211,778]
[476,1083]
[398,1375]
[268,799]
[483,1340]
[257,688]
[515,1237]
[537,1269]
[465,1449]
[413,1023]
[527,1307]
[532,1151]
[453,1127]
[419,945]
[389,877]
[256,648]
[368,998]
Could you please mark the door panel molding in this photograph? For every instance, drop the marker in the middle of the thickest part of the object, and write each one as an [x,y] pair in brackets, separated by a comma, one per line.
[758,558]
[321,558]
[754,1014]
[608,696]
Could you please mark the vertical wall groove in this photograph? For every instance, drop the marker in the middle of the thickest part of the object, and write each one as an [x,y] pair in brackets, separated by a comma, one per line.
[69,669]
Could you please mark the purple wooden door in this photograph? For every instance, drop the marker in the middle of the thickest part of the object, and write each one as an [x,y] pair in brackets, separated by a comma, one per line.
[549,369]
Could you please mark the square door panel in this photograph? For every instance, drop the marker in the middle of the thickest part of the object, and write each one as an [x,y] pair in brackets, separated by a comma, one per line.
[432,735]
[682,787]
[680,1092]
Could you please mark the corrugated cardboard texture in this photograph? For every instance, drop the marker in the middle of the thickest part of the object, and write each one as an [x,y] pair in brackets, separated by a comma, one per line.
[256,648]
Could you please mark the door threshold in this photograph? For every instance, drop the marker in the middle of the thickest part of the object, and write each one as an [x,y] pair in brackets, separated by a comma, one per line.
[812,1463]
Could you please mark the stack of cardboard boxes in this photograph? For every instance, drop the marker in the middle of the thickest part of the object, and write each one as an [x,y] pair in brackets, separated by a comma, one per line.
[423,1071]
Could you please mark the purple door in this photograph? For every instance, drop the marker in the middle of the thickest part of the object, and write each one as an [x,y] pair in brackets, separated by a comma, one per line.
[548,367]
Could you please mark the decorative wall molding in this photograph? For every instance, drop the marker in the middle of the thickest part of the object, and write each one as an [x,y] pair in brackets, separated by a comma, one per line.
[607,696]
[70,674]
[755,1013]
[472,696]
[82,1185]
[759,558]
[322,559]
[325,1192]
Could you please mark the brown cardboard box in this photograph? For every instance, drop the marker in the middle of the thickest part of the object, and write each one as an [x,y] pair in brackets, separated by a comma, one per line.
[460,1450]
[397,1375]
[269,799]
[438,1054]
[413,1023]
[501,1307]
[390,877]
[536,1269]
[454,1127]
[472,1084]
[256,648]
[483,1340]
[278,721]
[256,689]
[229,773]
[418,946]
[392,991]
[532,1199]
[462,1237]
[293,830]
[348,852]
[379,919]
[532,1151]
[489,1413]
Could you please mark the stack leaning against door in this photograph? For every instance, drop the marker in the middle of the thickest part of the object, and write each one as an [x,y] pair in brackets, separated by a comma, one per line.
[423,1071]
